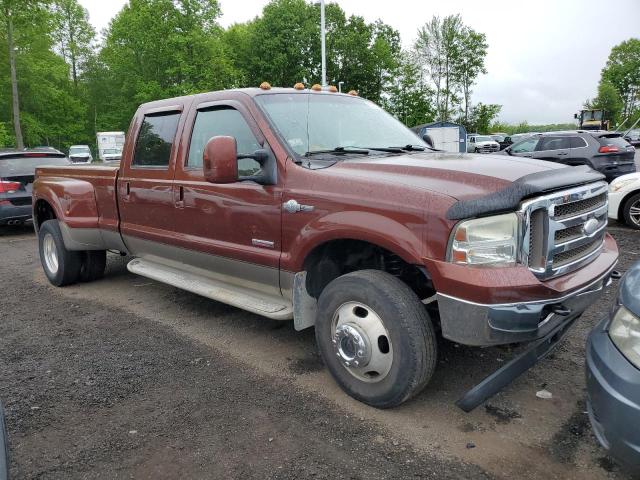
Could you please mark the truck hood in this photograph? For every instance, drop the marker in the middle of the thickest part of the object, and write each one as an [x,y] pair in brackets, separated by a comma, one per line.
[460,176]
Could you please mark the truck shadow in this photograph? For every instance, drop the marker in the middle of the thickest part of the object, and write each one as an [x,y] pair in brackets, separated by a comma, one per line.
[16,230]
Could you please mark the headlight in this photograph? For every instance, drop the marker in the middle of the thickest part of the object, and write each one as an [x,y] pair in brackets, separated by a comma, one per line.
[490,241]
[618,185]
[625,333]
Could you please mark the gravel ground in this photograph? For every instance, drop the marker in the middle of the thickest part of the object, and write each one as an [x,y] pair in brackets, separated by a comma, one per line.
[126,377]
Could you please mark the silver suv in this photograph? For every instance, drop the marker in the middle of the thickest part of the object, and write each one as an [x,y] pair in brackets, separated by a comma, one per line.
[606,152]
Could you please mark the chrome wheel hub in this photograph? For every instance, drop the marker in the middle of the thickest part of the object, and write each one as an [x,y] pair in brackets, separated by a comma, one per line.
[361,342]
[50,253]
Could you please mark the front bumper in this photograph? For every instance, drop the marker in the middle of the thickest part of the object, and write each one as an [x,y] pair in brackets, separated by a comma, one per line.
[613,398]
[477,324]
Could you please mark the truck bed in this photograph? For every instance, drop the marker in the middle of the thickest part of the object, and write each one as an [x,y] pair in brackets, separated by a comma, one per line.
[82,196]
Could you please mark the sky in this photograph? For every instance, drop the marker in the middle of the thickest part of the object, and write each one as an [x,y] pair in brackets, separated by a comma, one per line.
[544,57]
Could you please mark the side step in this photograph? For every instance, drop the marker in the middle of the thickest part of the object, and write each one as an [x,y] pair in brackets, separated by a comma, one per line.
[250,300]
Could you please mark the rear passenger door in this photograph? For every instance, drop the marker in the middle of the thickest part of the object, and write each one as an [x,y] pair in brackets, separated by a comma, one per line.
[525,148]
[553,148]
[145,185]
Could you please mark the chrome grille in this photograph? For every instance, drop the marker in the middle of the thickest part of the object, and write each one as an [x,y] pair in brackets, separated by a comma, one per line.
[572,209]
[556,238]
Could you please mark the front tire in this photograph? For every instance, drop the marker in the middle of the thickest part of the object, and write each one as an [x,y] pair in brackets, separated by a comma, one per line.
[375,337]
[631,211]
[61,266]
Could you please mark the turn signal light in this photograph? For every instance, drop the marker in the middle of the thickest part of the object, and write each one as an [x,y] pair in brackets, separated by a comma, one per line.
[608,149]
[9,187]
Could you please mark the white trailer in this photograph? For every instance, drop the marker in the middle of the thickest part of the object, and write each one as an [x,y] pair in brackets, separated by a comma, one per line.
[109,144]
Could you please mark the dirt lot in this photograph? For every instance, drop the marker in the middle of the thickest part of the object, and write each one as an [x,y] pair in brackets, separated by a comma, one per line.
[126,377]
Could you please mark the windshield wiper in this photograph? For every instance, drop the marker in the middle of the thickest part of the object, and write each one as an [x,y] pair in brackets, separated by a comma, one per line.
[340,150]
[412,148]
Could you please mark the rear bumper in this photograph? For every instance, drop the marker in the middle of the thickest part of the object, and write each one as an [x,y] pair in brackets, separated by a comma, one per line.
[10,213]
[613,393]
[614,171]
[479,324]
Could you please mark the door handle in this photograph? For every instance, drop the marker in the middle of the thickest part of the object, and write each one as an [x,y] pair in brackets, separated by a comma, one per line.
[180,201]
[562,154]
[127,191]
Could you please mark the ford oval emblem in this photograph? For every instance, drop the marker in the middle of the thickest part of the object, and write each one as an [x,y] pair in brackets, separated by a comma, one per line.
[590,227]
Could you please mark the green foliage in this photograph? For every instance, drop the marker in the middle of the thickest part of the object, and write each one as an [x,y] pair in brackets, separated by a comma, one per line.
[469,65]
[609,100]
[409,96]
[481,116]
[6,139]
[524,127]
[622,71]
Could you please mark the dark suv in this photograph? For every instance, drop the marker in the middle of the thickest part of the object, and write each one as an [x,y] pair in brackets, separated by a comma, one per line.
[606,152]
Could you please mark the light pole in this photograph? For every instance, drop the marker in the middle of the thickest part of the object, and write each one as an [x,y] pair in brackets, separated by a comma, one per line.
[322,45]
[340,83]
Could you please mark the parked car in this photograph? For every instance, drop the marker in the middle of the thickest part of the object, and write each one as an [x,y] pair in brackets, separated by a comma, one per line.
[603,151]
[613,375]
[624,199]
[111,155]
[109,143]
[352,226]
[633,137]
[17,171]
[481,144]
[80,154]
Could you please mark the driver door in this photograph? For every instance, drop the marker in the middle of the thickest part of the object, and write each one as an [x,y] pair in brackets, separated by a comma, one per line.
[231,230]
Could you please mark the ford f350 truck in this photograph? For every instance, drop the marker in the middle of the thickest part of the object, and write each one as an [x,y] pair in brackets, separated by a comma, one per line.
[320,207]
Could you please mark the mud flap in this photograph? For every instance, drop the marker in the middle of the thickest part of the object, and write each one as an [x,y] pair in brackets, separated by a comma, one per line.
[514,368]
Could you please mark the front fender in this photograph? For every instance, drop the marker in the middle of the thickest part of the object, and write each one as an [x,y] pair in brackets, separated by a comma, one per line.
[370,227]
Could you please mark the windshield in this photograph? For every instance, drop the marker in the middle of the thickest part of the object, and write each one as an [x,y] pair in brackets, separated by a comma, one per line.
[76,150]
[315,122]
[589,115]
[111,151]
[498,138]
[483,138]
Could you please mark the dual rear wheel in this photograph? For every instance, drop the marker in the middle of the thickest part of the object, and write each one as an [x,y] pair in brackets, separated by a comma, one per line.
[64,267]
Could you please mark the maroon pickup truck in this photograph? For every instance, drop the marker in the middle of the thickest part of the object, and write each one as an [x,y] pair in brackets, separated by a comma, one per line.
[322,208]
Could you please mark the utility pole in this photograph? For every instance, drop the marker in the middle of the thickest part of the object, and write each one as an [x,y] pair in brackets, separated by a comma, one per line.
[14,82]
[322,45]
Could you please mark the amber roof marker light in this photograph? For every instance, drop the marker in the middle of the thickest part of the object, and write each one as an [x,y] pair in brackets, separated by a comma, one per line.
[332,89]
[353,93]
[265,86]
[299,86]
[316,87]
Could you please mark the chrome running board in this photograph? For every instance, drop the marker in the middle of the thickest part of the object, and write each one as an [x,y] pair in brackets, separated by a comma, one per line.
[277,308]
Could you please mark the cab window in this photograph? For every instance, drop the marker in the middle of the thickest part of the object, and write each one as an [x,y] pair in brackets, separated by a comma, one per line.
[155,139]
[224,122]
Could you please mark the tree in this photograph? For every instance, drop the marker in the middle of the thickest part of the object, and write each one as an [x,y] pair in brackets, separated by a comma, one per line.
[73,34]
[147,56]
[622,70]
[481,117]
[410,98]
[439,48]
[609,100]
[470,65]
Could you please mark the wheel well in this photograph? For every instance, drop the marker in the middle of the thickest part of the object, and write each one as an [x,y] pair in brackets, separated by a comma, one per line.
[42,212]
[339,257]
[623,202]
